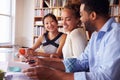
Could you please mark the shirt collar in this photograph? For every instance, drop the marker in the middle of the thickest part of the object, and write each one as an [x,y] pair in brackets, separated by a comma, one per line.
[107,25]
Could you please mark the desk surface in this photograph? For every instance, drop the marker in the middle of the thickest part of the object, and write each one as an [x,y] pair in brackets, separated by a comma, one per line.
[12,69]
[6,55]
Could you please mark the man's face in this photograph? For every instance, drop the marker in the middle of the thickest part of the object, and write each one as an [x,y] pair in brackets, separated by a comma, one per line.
[85,18]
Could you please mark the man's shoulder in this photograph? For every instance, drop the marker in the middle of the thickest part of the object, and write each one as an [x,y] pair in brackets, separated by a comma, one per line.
[115,25]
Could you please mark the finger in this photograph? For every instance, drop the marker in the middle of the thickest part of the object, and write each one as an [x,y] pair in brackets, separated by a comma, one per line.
[34,77]
[33,64]
[31,75]
[31,72]
[28,70]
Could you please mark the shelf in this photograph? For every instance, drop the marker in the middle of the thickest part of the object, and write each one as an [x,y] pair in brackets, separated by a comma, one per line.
[38,25]
[114,5]
[38,8]
[115,15]
[40,17]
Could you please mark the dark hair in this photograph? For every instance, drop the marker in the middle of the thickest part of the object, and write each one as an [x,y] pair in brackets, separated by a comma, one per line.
[101,7]
[75,9]
[50,15]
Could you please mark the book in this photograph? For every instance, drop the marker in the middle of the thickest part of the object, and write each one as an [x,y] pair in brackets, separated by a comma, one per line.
[47,3]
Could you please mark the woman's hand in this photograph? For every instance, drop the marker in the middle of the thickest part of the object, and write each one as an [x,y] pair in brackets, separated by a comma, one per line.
[54,56]
[30,52]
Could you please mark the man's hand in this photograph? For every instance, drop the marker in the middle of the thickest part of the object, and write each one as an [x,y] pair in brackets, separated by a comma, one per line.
[40,72]
[47,73]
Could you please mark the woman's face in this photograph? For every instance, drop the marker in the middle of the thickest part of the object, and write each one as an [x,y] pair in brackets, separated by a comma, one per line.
[69,21]
[50,24]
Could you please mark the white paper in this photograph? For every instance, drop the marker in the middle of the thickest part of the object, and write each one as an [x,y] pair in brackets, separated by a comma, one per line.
[22,65]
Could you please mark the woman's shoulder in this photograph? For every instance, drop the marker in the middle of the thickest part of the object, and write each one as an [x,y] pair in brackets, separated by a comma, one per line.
[77,31]
[63,35]
[41,37]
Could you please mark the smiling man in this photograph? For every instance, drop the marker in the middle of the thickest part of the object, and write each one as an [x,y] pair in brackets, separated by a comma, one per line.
[101,58]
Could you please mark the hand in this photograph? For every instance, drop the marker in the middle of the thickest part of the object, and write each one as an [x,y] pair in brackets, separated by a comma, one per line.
[39,72]
[54,56]
[32,61]
[30,52]
[47,73]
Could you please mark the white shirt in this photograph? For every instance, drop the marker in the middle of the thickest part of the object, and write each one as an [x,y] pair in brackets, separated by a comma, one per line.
[75,43]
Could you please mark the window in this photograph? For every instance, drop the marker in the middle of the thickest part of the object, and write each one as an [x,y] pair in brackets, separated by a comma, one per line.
[5,22]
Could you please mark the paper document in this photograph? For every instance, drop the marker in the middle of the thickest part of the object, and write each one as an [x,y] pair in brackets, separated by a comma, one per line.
[22,65]
[16,76]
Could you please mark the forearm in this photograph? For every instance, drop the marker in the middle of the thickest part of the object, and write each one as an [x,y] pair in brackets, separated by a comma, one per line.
[54,55]
[53,62]
[41,54]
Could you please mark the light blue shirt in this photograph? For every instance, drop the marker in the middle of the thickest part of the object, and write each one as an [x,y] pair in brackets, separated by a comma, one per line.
[101,58]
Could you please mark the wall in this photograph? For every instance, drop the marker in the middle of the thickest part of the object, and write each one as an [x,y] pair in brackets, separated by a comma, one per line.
[24,22]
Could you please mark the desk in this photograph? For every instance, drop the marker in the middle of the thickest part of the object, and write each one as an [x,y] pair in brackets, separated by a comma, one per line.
[14,71]
[7,61]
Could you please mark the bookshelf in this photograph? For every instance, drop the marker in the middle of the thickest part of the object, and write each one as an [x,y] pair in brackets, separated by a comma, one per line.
[115,9]
[42,7]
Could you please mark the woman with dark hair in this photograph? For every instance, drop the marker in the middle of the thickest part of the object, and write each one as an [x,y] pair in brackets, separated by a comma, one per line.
[51,42]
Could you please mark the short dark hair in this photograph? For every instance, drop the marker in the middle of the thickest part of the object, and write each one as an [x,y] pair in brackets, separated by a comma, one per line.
[101,7]
[75,9]
[50,15]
